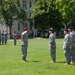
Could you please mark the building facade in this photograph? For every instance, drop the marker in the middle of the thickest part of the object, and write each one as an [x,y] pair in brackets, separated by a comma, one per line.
[17,26]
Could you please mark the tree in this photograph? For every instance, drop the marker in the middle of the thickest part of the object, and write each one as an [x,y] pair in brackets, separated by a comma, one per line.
[46,15]
[12,11]
[67,9]
[21,16]
[0,10]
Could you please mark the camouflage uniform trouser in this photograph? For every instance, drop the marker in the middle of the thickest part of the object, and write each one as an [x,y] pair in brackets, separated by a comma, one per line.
[5,41]
[53,54]
[24,51]
[67,54]
[14,41]
[0,40]
[73,55]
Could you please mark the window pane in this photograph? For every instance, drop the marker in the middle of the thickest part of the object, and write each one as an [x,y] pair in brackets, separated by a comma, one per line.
[30,4]
[24,4]
[18,26]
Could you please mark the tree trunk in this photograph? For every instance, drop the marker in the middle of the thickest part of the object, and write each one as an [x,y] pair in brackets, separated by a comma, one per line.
[10,27]
[10,32]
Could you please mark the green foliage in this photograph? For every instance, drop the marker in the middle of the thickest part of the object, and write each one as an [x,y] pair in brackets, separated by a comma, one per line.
[46,15]
[52,13]
[67,8]
[10,14]
[11,10]
[21,15]
[38,57]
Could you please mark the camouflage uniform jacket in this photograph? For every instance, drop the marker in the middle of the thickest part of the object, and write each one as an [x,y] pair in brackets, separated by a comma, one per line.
[52,40]
[73,40]
[67,42]
[24,38]
[0,36]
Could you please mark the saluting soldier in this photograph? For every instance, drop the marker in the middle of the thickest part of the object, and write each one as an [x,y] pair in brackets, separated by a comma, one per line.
[2,37]
[52,45]
[67,46]
[24,44]
[72,36]
[5,34]
[14,37]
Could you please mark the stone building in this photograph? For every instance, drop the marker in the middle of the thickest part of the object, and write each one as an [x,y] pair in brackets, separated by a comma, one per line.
[17,26]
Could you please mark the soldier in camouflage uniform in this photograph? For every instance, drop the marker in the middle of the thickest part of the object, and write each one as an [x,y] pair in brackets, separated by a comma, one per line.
[5,34]
[74,49]
[67,46]
[14,37]
[24,44]
[52,45]
[0,37]
[72,37]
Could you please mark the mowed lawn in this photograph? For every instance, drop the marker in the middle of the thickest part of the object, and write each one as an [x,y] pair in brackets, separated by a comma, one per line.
[38,57]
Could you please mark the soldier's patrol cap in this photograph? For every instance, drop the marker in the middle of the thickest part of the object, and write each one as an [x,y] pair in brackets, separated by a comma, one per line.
[70,28]
[25,29]
[66,30]
[3,30]
[14,31]
[51,29]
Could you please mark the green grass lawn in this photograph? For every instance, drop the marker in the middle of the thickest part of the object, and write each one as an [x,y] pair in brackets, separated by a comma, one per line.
[38,57]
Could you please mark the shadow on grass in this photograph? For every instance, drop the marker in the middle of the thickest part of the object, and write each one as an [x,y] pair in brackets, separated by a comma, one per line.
[5,44]
[36,61]
[60,62]
[73,64]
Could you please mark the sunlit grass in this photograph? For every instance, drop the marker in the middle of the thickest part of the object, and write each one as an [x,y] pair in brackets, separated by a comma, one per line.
[38,57]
